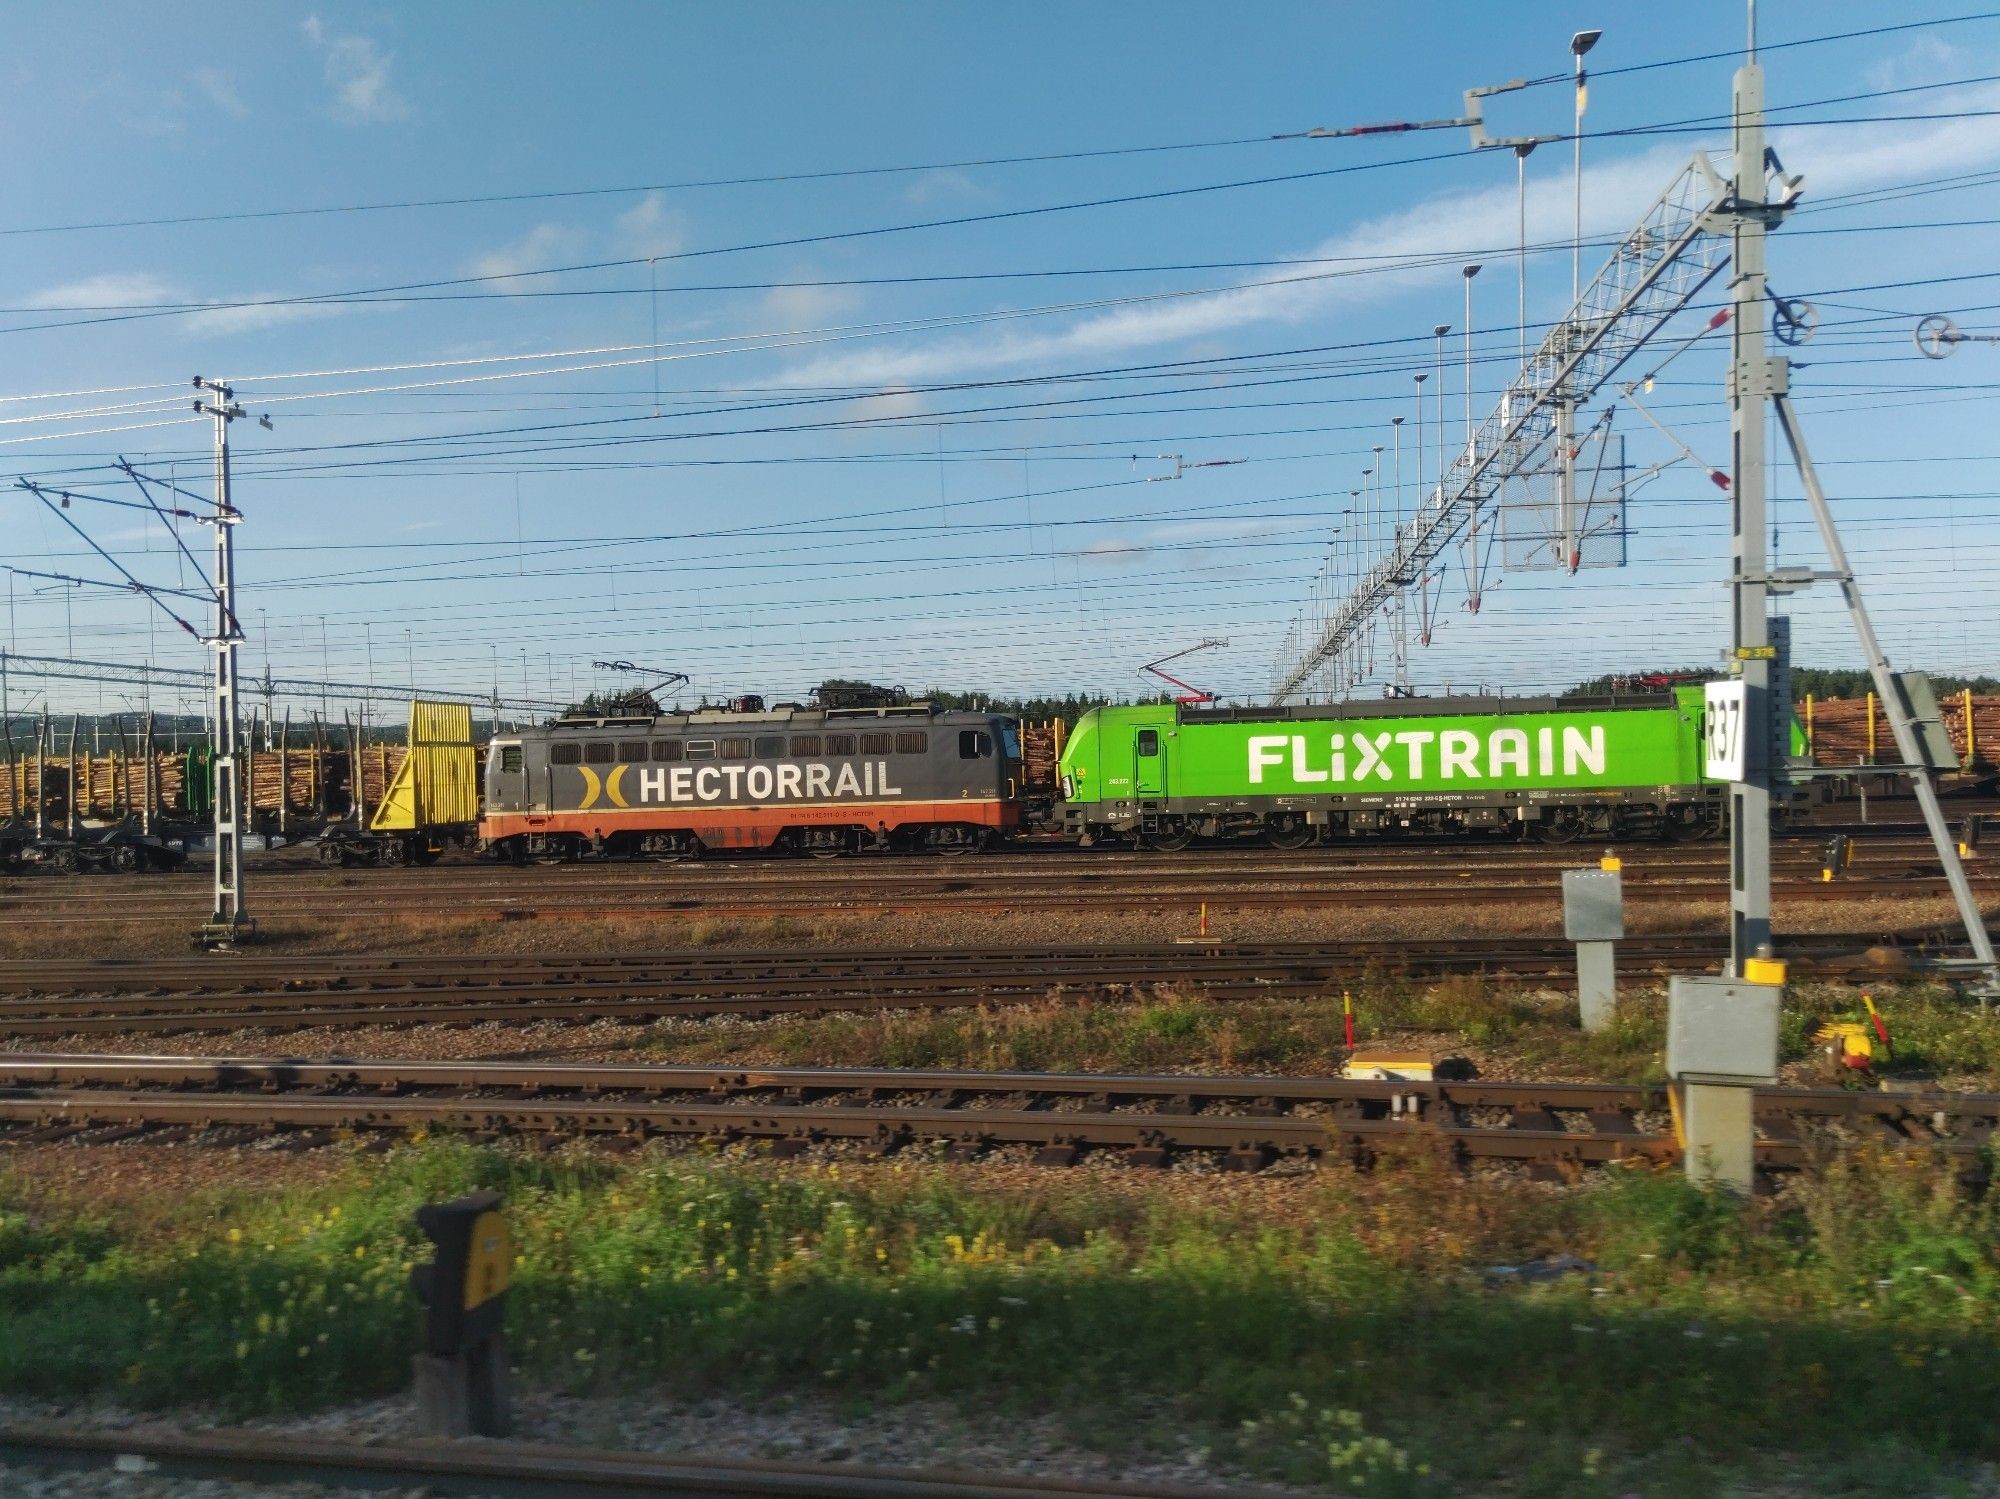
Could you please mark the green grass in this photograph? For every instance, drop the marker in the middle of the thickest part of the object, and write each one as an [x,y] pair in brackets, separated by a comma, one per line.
[1852,1328]
[1532,1033]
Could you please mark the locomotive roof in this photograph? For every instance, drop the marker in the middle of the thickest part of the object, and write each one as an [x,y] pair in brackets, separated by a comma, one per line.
[1427,707]
[783,716]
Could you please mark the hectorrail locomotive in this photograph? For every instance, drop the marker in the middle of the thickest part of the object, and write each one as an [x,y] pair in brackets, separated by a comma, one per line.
[820,781]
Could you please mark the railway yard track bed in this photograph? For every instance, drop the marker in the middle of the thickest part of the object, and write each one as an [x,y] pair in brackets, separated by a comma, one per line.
[1246,1123]
[43,998]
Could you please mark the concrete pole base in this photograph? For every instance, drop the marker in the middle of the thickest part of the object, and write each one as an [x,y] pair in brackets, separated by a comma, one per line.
[467,1394]
[1597,983]
[1721,1135]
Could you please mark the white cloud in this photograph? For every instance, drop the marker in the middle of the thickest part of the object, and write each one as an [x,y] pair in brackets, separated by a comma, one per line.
[258,316]
[887,406]
[943,184]
[358,72]
[1616,191]
[143,289]
[1925,60]
[134,289]
[649,228]
[543,246]
[219,88]
[784,308]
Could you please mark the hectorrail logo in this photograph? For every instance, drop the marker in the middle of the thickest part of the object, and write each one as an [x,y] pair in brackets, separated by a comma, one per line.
[1455,754]
[760,783]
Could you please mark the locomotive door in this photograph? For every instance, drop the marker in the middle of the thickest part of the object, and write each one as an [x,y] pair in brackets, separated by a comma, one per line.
[1149,764]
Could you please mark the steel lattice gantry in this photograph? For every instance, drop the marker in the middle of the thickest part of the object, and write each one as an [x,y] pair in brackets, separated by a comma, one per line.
[1677,247]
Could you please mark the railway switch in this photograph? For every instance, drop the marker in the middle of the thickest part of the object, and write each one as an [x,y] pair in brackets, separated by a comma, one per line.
[461,1374]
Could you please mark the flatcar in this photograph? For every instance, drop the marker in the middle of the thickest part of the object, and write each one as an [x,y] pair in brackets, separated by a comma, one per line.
[822,781]
[1550,768]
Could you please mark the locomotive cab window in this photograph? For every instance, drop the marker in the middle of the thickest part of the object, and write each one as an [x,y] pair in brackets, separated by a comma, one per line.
[701,749]
[840,744]
[565,754]
[912,743]
[974,744]
[510,758]
[770,746]
[632,749]
[806,744]
[601,753]
[877,744]
[666,749]
[736,748]
[1149,741]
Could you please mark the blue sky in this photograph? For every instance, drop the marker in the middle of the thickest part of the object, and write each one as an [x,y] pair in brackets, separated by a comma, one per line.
[984,492]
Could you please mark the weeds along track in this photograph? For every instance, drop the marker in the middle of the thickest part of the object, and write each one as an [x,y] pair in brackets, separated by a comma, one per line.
[44,998]
[526,1470]
[1246,1123]
[1245,878]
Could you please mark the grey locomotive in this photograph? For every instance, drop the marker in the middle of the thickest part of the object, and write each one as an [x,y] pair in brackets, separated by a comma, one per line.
[822,781]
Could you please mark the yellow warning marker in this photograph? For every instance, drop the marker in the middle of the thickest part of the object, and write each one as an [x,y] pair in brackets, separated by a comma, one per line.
[1763,970]
[1611,863]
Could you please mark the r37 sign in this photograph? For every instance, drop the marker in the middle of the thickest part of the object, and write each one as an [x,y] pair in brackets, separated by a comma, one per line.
[1722,731]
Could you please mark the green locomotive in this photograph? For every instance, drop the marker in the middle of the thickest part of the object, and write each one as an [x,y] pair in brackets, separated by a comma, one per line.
[1553,768]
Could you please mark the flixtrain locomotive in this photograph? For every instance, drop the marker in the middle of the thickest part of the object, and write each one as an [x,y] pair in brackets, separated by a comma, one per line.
[1549,768]
[811,780]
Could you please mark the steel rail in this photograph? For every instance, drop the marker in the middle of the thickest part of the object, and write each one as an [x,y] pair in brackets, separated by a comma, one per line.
[111,998]
[1253,1121]
[522,1470]
[652,901]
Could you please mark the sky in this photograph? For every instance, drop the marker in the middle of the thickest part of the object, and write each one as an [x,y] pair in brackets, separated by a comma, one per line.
[997,349]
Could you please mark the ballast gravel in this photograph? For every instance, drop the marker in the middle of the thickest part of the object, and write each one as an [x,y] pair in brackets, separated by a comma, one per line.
[919,1434]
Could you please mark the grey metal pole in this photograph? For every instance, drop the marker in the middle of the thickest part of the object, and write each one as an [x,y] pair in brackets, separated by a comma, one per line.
[1468,272]
[1521,153]
[227,922]
[1753,378]
[1440,331]
[1892,699]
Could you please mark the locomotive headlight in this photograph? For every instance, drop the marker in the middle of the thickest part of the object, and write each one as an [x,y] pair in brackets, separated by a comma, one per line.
[1068,790]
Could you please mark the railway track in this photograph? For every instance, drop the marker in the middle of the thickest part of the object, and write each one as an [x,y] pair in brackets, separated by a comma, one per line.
[1008,882]
[1247,1123]
[45,998]
[521,1470]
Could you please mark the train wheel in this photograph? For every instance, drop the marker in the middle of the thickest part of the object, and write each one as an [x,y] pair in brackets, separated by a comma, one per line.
[1169,839]
[826,843]
[1687,825]
[953,838]
[1288,832]
[1563,825]
[125,859]
[62,859]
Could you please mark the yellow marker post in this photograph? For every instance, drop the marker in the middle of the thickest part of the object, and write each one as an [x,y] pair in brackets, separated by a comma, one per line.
[1611,863]
[1871,728]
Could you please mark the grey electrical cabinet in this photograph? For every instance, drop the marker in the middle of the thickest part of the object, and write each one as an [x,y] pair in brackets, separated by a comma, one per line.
[1722,1030]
